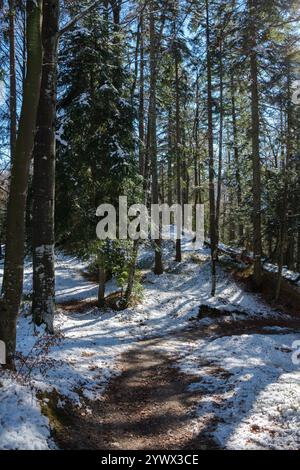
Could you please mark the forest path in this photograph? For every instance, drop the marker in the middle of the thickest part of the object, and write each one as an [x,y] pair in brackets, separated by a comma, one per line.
[148,406]
[151,405]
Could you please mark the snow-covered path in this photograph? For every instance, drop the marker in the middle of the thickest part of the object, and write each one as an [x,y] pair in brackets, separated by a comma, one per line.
[248,386]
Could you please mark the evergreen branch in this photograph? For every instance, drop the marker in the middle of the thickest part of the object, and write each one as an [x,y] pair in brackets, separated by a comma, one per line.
[78,17]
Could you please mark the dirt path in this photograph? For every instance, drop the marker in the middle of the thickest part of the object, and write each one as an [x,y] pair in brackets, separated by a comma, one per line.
[147,407]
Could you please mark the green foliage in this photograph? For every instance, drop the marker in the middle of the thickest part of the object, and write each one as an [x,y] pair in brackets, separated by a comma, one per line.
[96,155]
[122,278]
[138,289]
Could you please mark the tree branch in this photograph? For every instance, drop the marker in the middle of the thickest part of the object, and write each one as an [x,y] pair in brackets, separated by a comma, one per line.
[78,17]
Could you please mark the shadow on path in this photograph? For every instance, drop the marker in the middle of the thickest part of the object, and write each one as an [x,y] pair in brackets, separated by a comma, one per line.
[146,407]
[150,404]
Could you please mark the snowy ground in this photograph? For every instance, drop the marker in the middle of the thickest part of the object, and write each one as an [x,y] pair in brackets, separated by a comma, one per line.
[70,284]
[252,387]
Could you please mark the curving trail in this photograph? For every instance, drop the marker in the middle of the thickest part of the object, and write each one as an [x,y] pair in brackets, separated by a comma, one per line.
[147,407]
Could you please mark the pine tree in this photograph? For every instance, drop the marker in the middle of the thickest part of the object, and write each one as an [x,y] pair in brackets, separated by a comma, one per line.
[95,130]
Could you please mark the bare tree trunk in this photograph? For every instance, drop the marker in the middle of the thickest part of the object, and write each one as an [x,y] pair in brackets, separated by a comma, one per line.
[282,241]
[142,157]
[131,273]
[43,305]
[15,233]
[230,204]
[101,288]
[24,23]
[256,164]
[162,184]
[224,217]
[170,154]
[178,151]
[283,222]
[212,202]
[236,157]
[298,249]
[147,166]
[220,166]
[142,160]
[12,73]
[158,268]
[142,101]
[196,152]
[186,178]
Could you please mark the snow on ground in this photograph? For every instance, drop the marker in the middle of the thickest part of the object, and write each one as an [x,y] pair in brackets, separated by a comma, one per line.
[287,274]
[84,354]
[249,388]
[70,283]
[22,426]
[175,297]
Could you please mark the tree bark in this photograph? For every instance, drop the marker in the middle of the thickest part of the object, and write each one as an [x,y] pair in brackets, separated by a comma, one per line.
[142,102]
[15,233]
[256,163]
[283,222]
[43,305]
[12,74]
[298,249]
[101,288]
[196,151]
[158,268]
[236,157]
[212,202]
[131,272]
[220,165]
[178,257]
[170,159]
[142,159]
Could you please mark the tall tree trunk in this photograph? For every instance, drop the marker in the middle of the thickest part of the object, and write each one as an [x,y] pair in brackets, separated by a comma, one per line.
[282,238]
[224,217]
[147,165]
[142,101]
[43,305]
[12,74]
[236,157]
[158,268]
[15,233]
[178,152]
[196,151]
[142,162]
[298,249]
[230,203]
[290,248]
[162,184]
[170,159]
[24,24]
[256,164]
[219,192]
[283,223]
[212,202]
[186,179]
[131,272]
